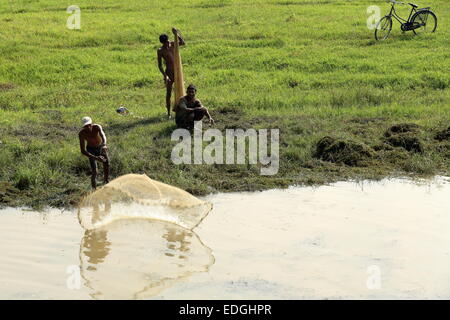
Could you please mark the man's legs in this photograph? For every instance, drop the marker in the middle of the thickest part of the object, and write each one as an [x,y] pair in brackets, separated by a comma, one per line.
[105,167]
[191,117]
[169,86]
[93,173]
[199,114]
[187,121]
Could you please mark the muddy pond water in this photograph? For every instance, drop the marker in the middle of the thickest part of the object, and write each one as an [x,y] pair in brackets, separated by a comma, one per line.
[367,240]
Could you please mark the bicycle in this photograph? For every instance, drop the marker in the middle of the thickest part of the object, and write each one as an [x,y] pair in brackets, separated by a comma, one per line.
[421,20]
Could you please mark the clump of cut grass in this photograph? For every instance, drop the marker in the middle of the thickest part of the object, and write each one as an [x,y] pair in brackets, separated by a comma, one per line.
[342,151]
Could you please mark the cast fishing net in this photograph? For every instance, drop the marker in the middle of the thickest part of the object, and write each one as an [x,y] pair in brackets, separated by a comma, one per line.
[138,196]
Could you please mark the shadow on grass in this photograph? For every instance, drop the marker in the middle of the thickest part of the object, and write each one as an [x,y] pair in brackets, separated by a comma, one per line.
[117,128]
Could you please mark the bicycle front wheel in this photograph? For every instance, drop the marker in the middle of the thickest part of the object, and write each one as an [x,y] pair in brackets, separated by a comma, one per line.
[383,28]
[426,20]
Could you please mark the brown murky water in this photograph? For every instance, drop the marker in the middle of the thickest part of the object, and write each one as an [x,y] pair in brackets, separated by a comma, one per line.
[387,239]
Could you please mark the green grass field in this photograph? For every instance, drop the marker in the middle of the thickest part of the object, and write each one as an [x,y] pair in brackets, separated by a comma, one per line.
[308,67]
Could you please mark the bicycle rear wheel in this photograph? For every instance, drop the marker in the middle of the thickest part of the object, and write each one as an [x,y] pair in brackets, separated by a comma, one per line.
[383,28]
[427,21]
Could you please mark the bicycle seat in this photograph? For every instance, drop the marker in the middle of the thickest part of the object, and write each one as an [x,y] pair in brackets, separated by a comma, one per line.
[413,5]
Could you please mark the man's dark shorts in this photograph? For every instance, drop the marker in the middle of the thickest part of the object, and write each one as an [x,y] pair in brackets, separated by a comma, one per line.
[96,151]
[184,121]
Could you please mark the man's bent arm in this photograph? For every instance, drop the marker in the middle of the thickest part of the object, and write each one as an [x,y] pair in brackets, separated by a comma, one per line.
[204,108]
[102,135]
[160,65]
[180,38]
[83,148]
[207,113]
[183,106]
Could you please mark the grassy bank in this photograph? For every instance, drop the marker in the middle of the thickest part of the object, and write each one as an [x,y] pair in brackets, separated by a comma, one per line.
[309,68]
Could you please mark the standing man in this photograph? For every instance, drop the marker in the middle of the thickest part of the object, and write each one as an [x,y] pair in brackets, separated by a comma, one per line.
[166,53]
[93,146]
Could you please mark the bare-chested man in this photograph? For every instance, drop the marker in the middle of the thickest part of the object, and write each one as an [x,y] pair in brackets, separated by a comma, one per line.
[166,53]
[93,146]
[190,109]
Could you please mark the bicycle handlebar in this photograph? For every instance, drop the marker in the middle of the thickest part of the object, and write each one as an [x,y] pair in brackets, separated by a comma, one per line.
[395,2]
